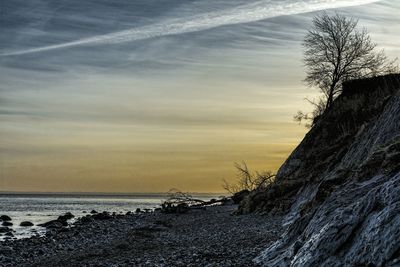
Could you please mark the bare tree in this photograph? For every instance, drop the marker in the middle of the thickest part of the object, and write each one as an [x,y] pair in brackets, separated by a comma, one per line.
[247,180]
[336,50]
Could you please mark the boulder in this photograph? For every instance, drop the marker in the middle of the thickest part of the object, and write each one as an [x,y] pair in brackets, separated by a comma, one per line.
[5,218]
[65,217]
[7,223]
[54,224]
[26,224]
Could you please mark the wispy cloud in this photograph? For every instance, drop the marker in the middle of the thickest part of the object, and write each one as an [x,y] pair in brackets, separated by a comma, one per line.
[242,14]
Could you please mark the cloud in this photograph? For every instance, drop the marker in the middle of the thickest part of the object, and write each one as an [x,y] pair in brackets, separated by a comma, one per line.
[241,14]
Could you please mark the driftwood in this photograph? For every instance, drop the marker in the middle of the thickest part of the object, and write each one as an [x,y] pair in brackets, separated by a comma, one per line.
[180,202]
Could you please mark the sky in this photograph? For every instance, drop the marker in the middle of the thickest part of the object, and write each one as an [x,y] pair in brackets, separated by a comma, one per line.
[146,95]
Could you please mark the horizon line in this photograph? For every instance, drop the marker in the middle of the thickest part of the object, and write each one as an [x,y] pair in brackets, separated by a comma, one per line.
[97,193]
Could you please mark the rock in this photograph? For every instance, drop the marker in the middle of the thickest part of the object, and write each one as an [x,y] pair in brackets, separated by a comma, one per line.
[65,217]
[102,216]
[138,210]
[93,212]
[26,224]
[239,196]
[5,229]
[7,223]
[54,224]
[86,219]
[5,218]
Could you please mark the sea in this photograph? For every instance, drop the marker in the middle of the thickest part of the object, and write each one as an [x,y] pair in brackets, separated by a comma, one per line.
[40,208]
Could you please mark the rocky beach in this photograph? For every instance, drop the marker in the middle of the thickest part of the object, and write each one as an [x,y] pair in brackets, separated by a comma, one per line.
[211,236]
[199,133]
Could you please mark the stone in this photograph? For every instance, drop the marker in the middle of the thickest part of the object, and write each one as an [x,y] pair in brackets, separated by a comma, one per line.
[5,218]
[67,216]
[54,224]
[7,223]
[26,224]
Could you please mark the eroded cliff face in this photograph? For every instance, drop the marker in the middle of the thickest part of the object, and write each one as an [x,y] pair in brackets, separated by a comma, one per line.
[340,188]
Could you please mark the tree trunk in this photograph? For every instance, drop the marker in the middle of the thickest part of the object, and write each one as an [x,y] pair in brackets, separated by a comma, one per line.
[329,101]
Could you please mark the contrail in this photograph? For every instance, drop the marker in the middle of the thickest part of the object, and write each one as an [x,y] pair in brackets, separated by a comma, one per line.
[242,14]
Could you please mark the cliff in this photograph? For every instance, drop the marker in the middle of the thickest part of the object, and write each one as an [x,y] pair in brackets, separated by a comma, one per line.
[340,188]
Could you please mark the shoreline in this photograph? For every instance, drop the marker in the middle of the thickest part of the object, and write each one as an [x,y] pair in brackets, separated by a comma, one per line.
[41,209]
[205,237]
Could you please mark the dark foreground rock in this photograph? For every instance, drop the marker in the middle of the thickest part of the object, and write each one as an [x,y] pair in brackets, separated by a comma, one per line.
[7,223]
[210,237]
[54,224]
[5,218]
[26,224]
[67,216]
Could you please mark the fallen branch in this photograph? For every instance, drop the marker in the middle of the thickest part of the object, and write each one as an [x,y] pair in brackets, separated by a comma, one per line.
[180,202]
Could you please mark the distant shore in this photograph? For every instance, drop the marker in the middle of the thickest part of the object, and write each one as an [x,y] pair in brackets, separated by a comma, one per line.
[204,237]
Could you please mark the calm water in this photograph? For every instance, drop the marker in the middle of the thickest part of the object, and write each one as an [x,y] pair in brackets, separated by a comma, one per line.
[42,208]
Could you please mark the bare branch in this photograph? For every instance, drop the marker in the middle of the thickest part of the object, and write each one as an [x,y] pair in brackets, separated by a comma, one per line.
[247,180]
[337,51]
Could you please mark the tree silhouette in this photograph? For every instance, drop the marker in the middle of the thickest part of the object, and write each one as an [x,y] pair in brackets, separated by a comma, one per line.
[336,50]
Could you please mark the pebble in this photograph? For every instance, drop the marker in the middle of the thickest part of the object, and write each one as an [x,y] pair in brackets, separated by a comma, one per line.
[210,237]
